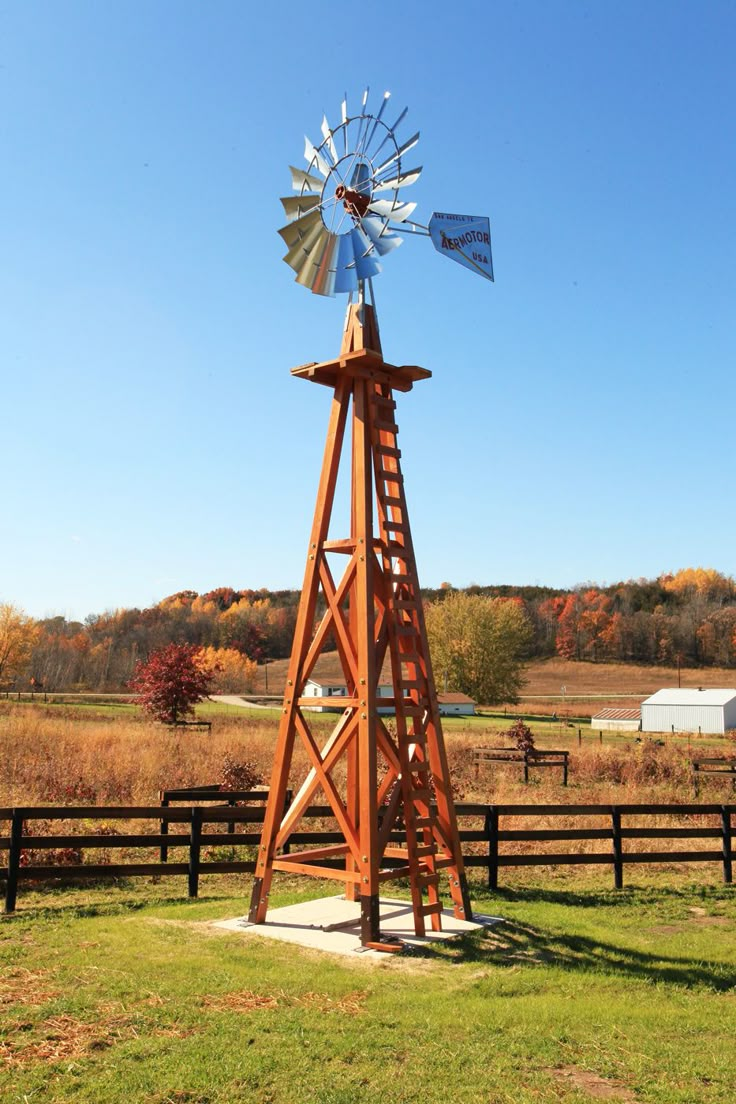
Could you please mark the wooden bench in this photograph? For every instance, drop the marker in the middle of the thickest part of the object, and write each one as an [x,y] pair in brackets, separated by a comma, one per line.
[537,757]
[713,765]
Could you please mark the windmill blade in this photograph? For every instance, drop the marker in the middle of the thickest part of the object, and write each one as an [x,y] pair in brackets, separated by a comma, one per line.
[296,230]
[465,239]
[327,135]
[324,279]
[386,208]
[409,144]
[344,111]
[391,132]
[304,246]
[377,120]
[313,157]
[315,272]
[305,264]
[366,265]
[346,276]
[383,241]
[303,181]
[401,180]
[296,206]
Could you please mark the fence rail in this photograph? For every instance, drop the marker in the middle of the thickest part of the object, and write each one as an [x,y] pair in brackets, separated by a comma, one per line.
[197,817]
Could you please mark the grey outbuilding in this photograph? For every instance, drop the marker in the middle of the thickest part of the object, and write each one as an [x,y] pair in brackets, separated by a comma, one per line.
[679,710]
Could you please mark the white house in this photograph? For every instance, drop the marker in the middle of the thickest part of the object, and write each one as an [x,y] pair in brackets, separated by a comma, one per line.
[711,711]
[455,705]
[314,689]
[617,720]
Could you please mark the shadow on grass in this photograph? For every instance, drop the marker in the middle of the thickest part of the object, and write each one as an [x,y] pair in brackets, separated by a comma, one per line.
[514,944]
[611,899]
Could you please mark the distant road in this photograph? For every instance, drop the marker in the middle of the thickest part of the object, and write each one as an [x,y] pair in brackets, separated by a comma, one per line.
[238,699]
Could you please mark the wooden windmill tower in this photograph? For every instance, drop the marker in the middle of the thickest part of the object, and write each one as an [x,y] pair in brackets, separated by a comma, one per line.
[387,784]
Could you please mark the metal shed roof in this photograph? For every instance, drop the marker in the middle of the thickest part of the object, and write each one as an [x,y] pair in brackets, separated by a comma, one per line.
[677,696]
[617,715]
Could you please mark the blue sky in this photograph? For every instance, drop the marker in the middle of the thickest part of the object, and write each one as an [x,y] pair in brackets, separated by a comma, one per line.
[577,426]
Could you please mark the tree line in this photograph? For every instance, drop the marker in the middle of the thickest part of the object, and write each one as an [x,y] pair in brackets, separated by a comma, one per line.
[688,616]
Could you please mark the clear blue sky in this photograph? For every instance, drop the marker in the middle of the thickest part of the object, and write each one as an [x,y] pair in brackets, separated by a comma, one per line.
[578,425]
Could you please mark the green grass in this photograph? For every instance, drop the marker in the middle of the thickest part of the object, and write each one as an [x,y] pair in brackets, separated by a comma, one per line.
[580,991]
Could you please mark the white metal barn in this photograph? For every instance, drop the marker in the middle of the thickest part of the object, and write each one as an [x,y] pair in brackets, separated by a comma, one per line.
[455,705]
[314,689]
[710,711]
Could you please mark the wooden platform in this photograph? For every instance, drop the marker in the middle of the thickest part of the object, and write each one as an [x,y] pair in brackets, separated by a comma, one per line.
[332,924]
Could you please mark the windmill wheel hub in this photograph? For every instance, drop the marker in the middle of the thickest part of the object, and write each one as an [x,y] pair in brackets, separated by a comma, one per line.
[355,203]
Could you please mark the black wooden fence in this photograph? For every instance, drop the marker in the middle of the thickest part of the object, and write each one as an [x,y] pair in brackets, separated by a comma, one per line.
[490,846]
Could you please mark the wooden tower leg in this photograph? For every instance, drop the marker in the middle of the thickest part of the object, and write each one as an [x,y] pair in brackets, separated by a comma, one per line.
[372,612]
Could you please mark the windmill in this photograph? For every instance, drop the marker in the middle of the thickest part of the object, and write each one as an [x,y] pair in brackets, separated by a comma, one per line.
[387,785]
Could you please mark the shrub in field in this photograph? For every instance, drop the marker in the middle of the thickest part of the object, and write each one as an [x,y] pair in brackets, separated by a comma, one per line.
[64,791]
[51,856]
[171,682]
[239,774]
[521,735]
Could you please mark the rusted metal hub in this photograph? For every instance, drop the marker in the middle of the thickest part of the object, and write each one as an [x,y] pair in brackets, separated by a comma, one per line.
[355,203]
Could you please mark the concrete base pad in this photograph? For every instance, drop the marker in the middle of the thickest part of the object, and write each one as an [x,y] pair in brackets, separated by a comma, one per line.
[333,924]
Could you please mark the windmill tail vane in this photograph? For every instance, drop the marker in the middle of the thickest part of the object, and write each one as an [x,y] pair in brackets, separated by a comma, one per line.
[348,212]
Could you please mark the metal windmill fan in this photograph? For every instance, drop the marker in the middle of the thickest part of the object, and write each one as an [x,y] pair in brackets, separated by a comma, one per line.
[348,212]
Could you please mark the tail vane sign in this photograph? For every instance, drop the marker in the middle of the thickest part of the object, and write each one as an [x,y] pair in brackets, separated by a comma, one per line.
[465,239]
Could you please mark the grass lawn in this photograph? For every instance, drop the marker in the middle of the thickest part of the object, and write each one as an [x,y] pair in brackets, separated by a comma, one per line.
[123,993]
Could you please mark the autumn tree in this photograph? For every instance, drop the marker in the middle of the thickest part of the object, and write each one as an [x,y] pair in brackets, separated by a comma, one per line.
[478,645]
[18,634]
[234,672]
[171,681]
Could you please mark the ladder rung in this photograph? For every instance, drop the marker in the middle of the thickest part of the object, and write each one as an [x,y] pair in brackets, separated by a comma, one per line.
[388,450]
[392,500]
[389,476]
[420,794]
[383,400]
[428,879]
[442,864]
[406,629]
[424,822]
[398,551]
[385,425]
[425,849]
[431,910]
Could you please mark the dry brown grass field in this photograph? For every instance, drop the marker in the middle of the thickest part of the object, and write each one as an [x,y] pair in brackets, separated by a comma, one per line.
[77,756]
[72,755]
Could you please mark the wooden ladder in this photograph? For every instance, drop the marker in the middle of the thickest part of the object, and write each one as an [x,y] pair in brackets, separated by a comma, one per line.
[428,846]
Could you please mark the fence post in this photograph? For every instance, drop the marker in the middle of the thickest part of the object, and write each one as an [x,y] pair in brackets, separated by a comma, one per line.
[16,834]
[491,830]
[726,826]
[580,737]
[231,823]
[164,826]
[564,771]
[526,766]
[600,736]
[618,854]
[194,848]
